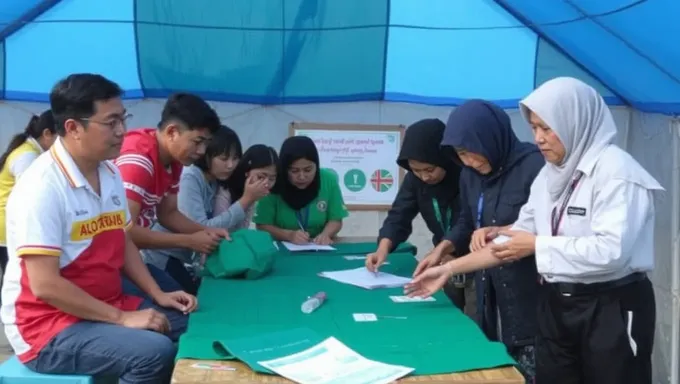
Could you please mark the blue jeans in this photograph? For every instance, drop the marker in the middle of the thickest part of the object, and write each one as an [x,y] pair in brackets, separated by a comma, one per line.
[108,350]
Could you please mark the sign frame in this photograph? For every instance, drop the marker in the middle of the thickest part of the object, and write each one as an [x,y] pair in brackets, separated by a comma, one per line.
[293,127]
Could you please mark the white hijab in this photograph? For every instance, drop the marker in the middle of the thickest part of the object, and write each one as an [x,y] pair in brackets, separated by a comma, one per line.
[581,119]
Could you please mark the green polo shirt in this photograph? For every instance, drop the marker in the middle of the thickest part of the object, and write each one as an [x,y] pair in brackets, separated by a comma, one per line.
[328,206]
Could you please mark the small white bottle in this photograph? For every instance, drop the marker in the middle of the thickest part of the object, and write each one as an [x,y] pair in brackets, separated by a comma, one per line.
[314,302]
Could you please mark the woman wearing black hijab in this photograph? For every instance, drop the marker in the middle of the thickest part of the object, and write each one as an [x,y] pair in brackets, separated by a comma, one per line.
[306,204]
[429,188]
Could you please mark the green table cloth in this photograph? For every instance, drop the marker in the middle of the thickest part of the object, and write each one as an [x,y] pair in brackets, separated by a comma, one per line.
[256,320]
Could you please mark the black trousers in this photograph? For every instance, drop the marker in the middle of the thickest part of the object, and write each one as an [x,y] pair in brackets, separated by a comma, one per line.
[178,271]
[604,337]
[456,295]
[3,261]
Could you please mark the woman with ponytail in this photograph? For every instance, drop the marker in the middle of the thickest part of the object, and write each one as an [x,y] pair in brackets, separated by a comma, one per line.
[21,151]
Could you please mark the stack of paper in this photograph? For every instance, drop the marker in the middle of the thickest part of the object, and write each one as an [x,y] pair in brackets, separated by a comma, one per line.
[362,277]
[332,362]
[307,247]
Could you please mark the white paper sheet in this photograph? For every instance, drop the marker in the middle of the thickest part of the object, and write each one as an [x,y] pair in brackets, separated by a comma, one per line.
[307,247]
[500,239]
[406,299]
[365,317]
[362,277]
[331,362]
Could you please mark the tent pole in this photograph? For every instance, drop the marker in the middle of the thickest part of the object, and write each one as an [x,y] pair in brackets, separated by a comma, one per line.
[675,257]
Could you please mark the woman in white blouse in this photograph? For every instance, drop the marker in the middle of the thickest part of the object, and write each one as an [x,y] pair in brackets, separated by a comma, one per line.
[590,222]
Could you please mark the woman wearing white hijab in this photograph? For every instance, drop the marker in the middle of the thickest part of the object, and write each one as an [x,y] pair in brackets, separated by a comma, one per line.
[590,222]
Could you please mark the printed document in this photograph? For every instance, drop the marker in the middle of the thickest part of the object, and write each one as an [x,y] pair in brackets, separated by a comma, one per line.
[362,277]
[331,362]
[306,247]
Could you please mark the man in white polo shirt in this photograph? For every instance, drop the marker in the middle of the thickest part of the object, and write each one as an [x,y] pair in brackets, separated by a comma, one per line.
[62,300]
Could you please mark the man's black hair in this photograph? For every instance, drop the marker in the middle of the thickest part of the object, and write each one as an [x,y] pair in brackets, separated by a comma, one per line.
[191,111]
[74,97]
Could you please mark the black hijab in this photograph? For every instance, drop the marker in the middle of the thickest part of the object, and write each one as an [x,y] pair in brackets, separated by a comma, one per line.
[293,149]
[422,142]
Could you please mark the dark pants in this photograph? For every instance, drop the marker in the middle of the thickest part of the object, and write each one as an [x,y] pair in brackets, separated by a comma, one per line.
[176,269]
[456,295]
[604,337]
[107,350]
[464,298]
[3,261]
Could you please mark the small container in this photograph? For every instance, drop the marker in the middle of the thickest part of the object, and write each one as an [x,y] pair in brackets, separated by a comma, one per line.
[196,266]
[314,302]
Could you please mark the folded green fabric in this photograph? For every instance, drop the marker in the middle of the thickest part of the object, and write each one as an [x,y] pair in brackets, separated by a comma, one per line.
[249,254]
[268,346]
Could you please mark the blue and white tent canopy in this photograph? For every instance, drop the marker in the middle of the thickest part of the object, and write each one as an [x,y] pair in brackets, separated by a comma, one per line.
[435,52]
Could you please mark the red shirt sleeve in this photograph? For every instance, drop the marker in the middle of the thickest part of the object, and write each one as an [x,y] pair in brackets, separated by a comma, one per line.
[138,176]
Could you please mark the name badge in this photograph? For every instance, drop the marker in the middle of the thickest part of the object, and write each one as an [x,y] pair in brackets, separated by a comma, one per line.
[577,211]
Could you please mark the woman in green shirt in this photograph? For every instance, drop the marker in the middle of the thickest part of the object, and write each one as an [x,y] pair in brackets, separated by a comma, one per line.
[306,204]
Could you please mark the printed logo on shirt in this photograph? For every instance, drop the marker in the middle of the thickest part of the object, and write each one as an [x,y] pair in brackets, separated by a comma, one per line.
[89,228]
[577,211]
[81,212]
[322,206]
[116,200]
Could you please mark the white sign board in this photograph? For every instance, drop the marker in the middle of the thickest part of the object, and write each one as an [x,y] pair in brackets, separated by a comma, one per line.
[363,157]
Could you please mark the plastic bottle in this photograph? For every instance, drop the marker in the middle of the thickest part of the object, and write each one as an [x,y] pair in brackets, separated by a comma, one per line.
[314,302]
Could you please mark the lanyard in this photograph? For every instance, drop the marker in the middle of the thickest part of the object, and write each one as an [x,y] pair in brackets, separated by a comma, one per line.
[303,217]
[480,208]
[556,217]
[446,225]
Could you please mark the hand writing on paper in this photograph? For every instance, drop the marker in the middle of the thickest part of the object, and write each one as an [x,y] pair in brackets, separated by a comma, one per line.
[521,244]
[323,239]
[375,260]
[299,237]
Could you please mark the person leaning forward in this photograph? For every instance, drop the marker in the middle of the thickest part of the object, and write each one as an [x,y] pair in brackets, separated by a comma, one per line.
[63,304]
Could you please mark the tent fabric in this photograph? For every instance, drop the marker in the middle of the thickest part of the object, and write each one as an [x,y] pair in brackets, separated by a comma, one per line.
[434,52]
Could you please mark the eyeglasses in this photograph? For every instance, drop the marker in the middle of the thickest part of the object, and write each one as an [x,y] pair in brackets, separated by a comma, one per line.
[113,123]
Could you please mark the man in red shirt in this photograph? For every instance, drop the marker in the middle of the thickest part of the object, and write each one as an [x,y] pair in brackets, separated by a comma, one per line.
[151,162]
[63,306]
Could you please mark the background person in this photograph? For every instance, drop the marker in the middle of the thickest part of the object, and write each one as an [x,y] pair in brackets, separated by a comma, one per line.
[22,150]
[495,183]
[150,163]
[430,188]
